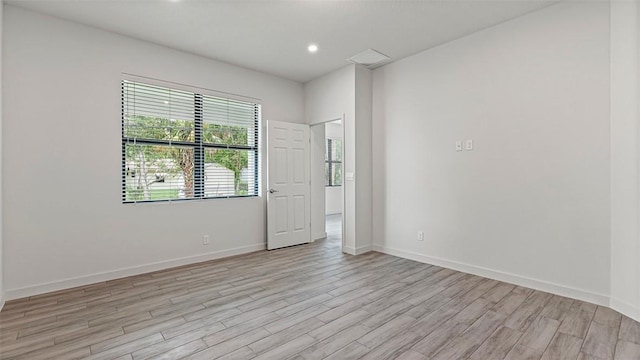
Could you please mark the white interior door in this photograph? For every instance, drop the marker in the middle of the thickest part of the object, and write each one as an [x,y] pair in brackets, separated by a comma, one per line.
[288,194]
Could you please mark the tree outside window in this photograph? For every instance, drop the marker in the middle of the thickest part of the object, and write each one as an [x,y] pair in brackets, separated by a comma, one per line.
[184,145]
[333,162]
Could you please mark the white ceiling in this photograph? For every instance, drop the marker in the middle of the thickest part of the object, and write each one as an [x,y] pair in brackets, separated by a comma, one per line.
[272,36]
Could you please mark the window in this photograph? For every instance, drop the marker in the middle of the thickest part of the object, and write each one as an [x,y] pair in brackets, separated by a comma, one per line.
[333,163]
[179,144]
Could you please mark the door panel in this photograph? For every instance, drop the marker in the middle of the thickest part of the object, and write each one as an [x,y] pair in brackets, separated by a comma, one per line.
[298,166]
[288,205]
[298,213]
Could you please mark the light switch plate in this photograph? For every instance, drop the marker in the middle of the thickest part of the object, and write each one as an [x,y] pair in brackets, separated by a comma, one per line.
[349,176]
[469,144]
[459,145]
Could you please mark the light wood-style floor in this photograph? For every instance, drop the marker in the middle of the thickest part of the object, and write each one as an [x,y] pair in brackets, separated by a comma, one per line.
[312,302]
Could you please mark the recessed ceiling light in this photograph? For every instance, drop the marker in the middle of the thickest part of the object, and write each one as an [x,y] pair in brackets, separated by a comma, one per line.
[312,48]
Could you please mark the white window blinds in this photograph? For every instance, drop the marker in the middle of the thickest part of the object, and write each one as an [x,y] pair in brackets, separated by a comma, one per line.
[179,144]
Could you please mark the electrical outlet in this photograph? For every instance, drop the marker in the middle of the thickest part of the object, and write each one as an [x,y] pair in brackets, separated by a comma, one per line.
[420,235]
[459,145]
[469,144]
[205,240]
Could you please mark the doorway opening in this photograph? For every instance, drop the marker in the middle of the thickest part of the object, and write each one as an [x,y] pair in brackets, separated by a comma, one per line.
[333,181]
[327,195]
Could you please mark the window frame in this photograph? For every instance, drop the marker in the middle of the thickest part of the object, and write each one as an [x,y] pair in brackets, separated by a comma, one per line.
[198,145]
[329,161]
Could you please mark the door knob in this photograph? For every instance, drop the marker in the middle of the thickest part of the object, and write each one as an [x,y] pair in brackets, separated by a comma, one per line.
[271,191]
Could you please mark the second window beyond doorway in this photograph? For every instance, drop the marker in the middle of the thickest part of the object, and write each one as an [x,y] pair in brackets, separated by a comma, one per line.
[333,163]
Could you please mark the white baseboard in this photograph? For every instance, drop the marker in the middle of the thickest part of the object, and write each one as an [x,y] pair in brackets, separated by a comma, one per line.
[625,308]
[545,286]
[131,271]
[1,301]
[319,235]
[357,251]
[364,249]
[349,250]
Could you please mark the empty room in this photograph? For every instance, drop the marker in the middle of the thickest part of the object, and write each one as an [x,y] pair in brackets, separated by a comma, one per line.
[428,179]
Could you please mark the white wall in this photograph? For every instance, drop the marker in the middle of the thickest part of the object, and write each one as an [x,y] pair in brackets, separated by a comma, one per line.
[531,203]
[318,223]
[331,96]
[625,175]
[347,91]
[326,98]
[333,130]
[333,200]
[67,225]
[362,131]
[333,194]
[1,154]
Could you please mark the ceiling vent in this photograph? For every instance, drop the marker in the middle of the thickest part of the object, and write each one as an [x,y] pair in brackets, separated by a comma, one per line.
[369,58]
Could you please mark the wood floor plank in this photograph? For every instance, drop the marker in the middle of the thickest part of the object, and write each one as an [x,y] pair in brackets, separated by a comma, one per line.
[243,353]
[53,329]
[282,337]
[510,303]
[377,319]
[576,323]
[334,343]
[229,333]
[585,356]
[629,330]
[393,347]
[439,338]
[352,351]
[252,314]
[230,345]
[386,331]
[18,347]
[520,352]
[557,308]
[428,306]
[180,340]
[498,292]
[155,324]
[288,349]
[480,330]
[497,345]
[627,351]
[289,321]
[89,336]
[524,315]
[312,302]
[211,322]
[338,325]
[458,348]
[600,341]
[181,351]
[539,334]
[342,310]
[563,346]
[607,317]
[411,355]
[123,347]
[473,311]
[303,305]
[70,354]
